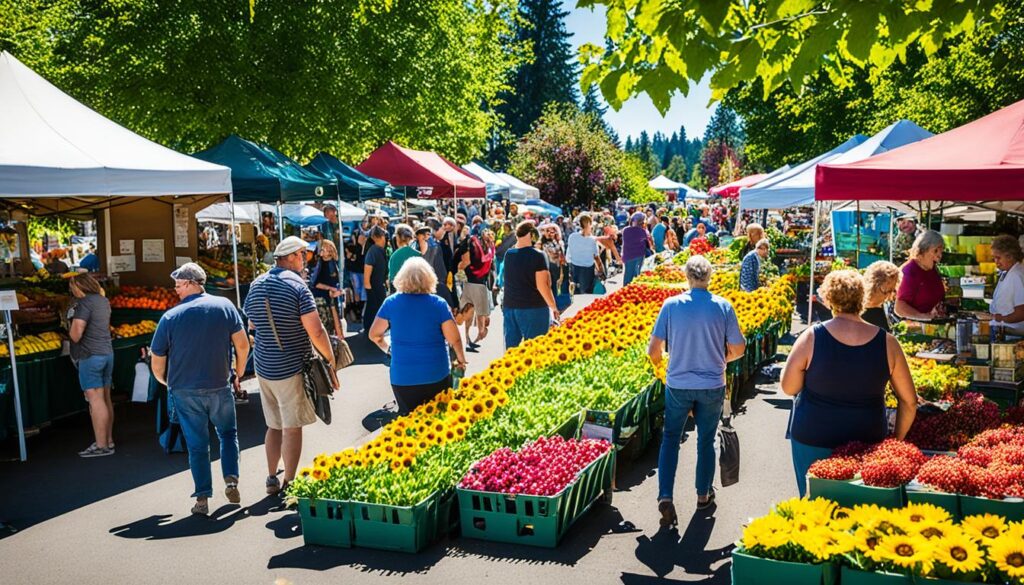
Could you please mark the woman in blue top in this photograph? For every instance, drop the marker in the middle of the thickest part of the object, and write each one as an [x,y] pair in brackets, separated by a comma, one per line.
[422,329]
[838,371]
[750,269]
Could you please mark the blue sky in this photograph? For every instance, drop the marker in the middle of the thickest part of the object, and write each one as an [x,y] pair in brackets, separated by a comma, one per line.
[637,114]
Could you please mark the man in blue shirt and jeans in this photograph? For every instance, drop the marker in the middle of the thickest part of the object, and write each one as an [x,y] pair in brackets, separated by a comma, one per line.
[192,356]
[703,335]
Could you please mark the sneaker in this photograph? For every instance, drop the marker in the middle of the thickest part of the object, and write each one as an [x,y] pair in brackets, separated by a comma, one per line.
[231,489]
[273,485]
[668,513]
[96,451]
[202,507]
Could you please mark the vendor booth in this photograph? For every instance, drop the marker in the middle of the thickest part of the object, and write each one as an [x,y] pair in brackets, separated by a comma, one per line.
[498,189]
[519,190]
[352,184]
[422,174]
[59,158]
[675,190]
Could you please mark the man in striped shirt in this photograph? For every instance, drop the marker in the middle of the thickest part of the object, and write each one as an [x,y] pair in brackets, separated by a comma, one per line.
[281,309]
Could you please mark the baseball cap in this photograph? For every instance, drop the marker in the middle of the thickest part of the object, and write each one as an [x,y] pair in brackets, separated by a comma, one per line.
[190,271]
[289,245]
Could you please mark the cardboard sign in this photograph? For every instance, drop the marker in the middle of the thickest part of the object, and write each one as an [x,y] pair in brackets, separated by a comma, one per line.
[8,300]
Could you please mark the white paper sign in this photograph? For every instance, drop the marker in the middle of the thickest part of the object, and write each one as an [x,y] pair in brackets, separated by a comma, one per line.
[127,247]
[122,263]
[8,300]
[180,260]
[152,250]
[592,431]
[180,226]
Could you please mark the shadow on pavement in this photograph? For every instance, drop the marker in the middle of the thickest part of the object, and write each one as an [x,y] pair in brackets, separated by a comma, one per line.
[667,550]
[322,558]
[159,527]
[56,480]
[365,351]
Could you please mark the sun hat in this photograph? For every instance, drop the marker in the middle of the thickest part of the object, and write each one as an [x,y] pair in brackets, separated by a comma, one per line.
[290,245]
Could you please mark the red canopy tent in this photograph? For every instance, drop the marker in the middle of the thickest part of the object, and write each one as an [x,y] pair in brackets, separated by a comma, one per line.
[980,161]
[733,189]
[424,170]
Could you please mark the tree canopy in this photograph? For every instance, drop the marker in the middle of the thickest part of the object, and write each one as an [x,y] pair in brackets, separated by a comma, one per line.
[661,47]
[332,75]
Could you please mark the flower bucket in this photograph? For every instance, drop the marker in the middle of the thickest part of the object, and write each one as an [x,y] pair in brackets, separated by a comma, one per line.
[852,493]
[851,576]
[751,570]
[1012,510]
[948,502]
[403,528]
[627,425]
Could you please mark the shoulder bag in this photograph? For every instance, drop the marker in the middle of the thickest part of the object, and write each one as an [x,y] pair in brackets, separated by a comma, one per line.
[316,377]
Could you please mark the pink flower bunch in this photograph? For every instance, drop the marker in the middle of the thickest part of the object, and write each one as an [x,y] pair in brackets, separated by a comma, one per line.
[541,468]
[955,427]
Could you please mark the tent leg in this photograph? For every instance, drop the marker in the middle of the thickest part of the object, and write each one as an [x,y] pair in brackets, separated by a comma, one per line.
[814,257]
[856,256]
[280,223]
[892,236]
[23,451]
[234,252]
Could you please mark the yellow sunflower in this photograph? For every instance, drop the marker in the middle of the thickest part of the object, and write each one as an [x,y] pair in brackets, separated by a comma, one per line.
[984,527]
[959,553]
[935,530]
[771,531]
[1007,553]
[907,551]
[923,512]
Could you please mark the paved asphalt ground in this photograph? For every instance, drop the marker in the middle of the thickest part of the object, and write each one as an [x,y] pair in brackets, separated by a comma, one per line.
[125,518]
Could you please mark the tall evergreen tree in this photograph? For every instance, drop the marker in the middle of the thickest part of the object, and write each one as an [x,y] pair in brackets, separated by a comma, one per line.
[629,144]
[725,128]
[551,76]
[592,105]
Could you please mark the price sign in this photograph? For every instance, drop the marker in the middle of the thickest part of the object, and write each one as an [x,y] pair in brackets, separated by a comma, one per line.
[8,300]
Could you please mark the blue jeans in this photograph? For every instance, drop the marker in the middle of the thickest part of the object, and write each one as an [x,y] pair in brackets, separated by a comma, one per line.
[583,276]
[522,324]
[632,270]
[196,410]
[707,411]
[803,457]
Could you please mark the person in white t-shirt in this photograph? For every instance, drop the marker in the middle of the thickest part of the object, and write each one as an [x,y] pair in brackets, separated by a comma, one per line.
[584,255]
[1007,305]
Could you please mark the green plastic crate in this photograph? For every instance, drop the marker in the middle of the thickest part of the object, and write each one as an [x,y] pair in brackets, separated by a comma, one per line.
[1013,511]
[850,576]
[403,528]
[751,570]
[849,494]
[534,520]
[632,417]
[570,429]
[948,502]
[326,522]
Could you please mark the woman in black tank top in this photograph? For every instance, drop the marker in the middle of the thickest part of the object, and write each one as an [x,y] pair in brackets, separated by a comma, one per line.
[838,372]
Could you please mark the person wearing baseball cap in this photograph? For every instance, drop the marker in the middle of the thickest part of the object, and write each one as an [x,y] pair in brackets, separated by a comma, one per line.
[283,313]
[191,354]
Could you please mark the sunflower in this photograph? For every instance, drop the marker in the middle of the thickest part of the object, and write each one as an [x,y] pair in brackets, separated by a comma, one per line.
[923,512]
[319,474]
[984,527]
[959,553]
[306,472]
[1007,553]
[771,531]
[935,530]
[906,551]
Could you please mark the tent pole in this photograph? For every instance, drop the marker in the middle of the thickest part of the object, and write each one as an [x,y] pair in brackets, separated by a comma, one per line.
[234,252]
[23,451]
[280,223]
[892,222]
[814,257]
[857,255]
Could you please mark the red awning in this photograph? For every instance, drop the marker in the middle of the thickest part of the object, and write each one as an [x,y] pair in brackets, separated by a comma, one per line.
[434,175]
[733,189]
[979,161]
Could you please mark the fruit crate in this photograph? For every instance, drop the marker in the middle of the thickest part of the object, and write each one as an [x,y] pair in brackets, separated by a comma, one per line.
[403,528]
[620,425]
[570,429]
[751,570]
[852,493]
[535,520]
[326,522]
[123,316]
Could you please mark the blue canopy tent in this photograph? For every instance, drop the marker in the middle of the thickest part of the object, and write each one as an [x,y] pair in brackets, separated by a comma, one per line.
[353,185]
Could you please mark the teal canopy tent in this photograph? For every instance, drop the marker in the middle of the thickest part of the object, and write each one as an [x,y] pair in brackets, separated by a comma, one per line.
[353,185]
[260,173]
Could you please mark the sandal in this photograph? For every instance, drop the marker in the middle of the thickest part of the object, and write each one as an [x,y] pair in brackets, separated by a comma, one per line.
[706,503]
[668,513]
[202,507]
[231,489]
[273,485]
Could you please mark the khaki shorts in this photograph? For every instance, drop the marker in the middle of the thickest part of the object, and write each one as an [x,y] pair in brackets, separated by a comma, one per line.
[479,296]
[285,404]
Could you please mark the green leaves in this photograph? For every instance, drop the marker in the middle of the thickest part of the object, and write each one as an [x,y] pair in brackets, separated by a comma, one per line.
[775,41]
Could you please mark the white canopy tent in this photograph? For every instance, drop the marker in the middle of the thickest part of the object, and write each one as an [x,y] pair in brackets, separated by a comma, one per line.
[520,191]
[495,185]
[665,184]
[53,146]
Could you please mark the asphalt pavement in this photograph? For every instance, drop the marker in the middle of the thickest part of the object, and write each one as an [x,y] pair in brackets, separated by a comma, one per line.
[125,518]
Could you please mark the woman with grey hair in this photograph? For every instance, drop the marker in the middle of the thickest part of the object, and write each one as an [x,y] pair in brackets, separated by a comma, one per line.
[921,290]
[422,329]
[1007,306]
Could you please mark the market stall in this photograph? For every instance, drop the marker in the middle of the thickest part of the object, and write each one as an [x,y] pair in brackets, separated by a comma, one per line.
[352,184]
[675,190]
[520,191]
[498,189]
[59,158]
[422,174]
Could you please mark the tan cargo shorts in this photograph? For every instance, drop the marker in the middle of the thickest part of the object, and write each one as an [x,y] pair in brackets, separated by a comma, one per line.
[285,404]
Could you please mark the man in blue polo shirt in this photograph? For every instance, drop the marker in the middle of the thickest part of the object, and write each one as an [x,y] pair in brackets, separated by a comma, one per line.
[192,356]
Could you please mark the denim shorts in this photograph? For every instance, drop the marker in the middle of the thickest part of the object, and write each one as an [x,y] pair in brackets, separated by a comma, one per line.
[96,371]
